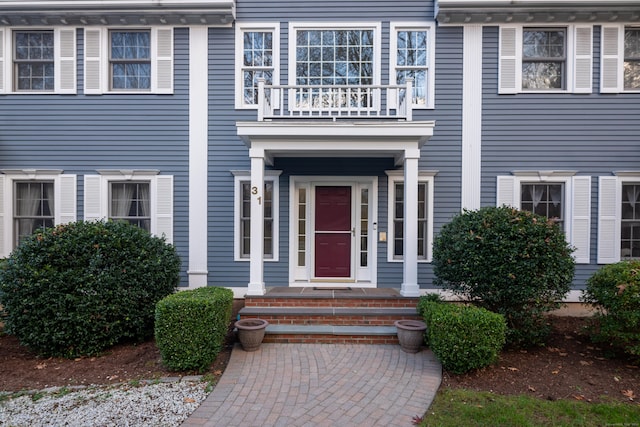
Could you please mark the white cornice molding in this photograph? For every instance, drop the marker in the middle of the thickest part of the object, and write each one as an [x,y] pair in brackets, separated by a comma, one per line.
[495,12]
[117,12]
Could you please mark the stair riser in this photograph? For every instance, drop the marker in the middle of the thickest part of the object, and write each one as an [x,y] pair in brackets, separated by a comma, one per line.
[330,339]
[335,320]
[330,302]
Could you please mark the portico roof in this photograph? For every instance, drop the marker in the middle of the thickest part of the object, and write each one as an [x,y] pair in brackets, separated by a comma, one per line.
[396,139]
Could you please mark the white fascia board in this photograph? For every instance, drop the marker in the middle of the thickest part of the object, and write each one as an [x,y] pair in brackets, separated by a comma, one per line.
[421,130]
[108,4]
[533,3]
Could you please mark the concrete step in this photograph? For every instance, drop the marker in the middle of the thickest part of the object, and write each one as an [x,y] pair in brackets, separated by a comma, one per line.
[330,315]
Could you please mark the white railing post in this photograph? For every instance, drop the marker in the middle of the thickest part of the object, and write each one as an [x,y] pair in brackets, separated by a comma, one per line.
[409,100]
[261,99]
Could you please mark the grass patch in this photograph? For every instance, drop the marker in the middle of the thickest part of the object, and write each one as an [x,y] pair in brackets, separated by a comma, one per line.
[454,407]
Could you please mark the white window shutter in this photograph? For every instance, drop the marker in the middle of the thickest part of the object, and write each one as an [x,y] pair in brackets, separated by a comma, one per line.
[93,57]
[505,194]
[65,74]
[163,59]
[612,59]
[93,198]
[2,59]
[509,72]
[583,59]
[66,206]
[581,219]
[164,207]
[608,222]
[4,245]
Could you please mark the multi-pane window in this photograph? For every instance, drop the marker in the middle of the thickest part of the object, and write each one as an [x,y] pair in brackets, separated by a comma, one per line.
[632,58]
[245,219]
[34,60]
[334,57]
[546,199]
[130,201]
[257,62]
[630,221]
[412,61]
[544,58]
[398,220]
[33,208]
[130,60]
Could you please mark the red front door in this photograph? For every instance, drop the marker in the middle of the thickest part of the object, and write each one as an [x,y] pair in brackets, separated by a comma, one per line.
[333,231]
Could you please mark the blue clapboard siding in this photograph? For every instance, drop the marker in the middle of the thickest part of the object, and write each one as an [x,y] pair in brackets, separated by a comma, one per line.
[593,134]
[227,152]
[80,134]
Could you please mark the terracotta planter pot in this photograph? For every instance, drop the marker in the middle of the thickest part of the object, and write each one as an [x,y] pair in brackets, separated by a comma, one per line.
[411,334]
[251,333]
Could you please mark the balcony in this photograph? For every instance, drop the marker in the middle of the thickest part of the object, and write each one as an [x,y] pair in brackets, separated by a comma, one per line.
[334,102]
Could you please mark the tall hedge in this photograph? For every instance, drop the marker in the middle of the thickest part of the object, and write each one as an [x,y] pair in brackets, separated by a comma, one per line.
[614,291]
[508,261]
[79,288]
[463,337]
[191,327]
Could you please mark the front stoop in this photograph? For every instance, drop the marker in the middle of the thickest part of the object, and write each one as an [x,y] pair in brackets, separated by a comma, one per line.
[336,316]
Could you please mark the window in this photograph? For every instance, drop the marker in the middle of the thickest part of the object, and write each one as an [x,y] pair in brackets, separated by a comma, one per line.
[140,197]
[412,56]
[546,199]
[41,61]
[33,60]
[33,208]
[619,217]
[632,58]
[396,215]
[545,59]
[342,56]
[559,195]
[32,199]
[242,224]
[257,56]
[245,220]
[630,221]
[129,201]
[128,60]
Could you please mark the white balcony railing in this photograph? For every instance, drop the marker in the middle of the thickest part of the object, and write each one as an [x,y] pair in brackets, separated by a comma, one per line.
[334,102]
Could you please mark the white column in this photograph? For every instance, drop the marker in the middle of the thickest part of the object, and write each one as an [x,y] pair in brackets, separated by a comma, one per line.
[256,267]
[471,117]
[409,287]
[198,141]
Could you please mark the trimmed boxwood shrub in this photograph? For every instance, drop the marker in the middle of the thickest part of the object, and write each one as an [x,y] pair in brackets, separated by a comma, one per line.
[614,291]
[79,288]
[508,261]
[463,337]
[191,327]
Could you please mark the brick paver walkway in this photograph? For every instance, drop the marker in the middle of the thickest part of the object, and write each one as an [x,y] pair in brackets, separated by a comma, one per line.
[321,385]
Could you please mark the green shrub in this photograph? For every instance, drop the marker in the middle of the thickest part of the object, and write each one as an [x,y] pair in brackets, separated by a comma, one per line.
[614,291]
[508,261]
[191,327]
[463,337]
[79,288]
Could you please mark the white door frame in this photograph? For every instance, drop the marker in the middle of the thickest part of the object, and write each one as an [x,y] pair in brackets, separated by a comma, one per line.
[365,277]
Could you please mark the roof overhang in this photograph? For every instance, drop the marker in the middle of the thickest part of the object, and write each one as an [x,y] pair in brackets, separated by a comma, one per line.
[117,12]
[335,139]
[492,12]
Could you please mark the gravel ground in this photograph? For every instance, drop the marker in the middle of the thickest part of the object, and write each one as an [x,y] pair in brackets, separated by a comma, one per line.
[150,404]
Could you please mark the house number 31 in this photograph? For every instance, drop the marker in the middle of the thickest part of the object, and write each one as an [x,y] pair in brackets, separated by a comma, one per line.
[254,190]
